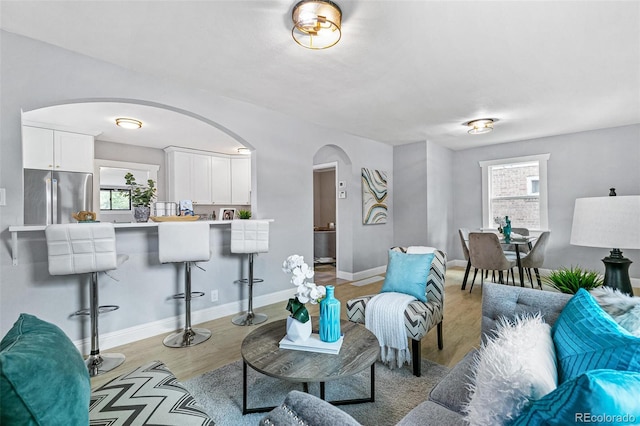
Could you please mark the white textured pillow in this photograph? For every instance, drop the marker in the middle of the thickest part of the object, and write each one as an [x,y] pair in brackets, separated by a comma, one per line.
[624,309]
[515,366]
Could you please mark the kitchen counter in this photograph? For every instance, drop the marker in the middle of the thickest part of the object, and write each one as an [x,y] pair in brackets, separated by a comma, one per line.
[15,229]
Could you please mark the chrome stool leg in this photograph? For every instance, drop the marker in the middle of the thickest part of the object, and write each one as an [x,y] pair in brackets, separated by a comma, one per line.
[98,363]
[188,336]
[250,317]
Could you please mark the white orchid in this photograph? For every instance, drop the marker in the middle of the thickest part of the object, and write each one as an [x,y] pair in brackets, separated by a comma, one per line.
[306,291]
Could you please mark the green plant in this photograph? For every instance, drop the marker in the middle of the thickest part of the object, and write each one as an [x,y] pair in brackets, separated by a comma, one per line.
[244,214]
[570,280]
[141,196]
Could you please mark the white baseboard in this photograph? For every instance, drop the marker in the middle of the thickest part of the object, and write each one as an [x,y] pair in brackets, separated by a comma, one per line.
[167,325]
[362,274]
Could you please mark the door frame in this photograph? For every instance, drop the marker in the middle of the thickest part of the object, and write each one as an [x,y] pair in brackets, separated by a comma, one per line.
[325,166]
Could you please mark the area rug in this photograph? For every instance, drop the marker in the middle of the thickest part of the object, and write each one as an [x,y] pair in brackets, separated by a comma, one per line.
[219,392]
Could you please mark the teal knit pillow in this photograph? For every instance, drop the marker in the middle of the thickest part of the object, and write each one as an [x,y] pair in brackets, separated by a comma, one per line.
[597,397]
[43,378]
[587,338]
[407,273]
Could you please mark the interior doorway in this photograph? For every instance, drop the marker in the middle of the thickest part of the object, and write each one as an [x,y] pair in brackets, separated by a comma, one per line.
[324,221]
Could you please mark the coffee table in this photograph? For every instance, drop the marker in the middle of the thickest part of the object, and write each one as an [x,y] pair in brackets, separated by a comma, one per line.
[260,351]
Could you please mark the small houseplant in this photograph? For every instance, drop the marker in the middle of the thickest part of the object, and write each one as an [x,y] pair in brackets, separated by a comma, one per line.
[141,197]
[570,280]
[244,214]
[298,324]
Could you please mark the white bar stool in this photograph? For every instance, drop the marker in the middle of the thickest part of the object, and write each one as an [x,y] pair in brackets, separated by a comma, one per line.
[81,248]
[250,237]
[186,242]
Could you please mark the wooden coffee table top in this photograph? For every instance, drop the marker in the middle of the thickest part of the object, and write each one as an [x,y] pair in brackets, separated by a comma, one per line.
[260,350]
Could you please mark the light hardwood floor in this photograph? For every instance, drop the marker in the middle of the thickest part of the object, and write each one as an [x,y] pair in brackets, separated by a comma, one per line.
[461,331]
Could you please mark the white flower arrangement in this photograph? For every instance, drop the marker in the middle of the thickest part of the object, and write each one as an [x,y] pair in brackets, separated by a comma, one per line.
[307,291]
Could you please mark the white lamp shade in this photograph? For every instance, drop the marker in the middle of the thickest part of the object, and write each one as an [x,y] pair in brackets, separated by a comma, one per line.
[607,222]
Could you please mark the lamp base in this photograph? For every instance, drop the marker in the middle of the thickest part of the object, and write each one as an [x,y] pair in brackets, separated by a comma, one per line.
[616,272]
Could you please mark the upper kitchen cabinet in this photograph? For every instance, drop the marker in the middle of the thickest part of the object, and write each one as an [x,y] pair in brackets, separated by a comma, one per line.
[240,180]
[221,174]
[48,149]
[189,176]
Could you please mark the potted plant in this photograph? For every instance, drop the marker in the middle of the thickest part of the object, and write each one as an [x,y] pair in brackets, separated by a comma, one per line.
[244,214]
[570,280]
[141,197]
[298,323]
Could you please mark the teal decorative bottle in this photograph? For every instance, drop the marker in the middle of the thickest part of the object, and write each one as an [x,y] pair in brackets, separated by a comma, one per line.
[329,317]
[507,229]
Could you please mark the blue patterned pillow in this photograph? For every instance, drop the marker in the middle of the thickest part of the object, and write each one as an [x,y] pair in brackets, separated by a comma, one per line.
[587,338]
[407,273]
[597,397]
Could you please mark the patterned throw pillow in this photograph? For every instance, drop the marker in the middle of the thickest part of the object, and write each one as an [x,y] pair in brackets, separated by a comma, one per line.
[597,397]
[407,273]
[148,395]
[587,338]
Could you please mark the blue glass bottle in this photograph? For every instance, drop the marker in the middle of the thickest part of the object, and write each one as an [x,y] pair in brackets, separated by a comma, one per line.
[329,317]
[507,230]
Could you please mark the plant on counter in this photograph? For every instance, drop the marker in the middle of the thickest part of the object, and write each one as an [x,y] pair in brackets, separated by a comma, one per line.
[570,280]
[244,214]
[141,196]
[307,291]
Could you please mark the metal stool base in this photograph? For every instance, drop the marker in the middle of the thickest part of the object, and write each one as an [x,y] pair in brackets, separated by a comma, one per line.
[249,319]
[184,338]
[101,363]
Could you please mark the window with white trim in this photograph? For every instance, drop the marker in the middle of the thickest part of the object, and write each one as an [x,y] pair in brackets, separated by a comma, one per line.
[515,187]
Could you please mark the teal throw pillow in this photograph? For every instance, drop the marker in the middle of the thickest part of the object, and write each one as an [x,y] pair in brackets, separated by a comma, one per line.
[43,378]
[587,338]
[407,273]
[597,397]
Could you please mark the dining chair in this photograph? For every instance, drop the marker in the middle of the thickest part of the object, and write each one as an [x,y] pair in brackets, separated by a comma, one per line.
[510,250]
[535,258]
[464,240]
[485,253]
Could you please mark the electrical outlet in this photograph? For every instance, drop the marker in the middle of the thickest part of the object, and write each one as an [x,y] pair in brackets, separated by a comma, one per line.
[214,295]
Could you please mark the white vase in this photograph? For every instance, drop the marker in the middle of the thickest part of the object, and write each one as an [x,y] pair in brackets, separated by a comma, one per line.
[298,331]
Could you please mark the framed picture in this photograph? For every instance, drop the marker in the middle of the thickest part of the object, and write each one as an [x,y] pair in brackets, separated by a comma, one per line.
[227,214]
[374,196]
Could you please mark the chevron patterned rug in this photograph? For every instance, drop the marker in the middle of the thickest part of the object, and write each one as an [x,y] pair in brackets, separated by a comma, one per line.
[219,392]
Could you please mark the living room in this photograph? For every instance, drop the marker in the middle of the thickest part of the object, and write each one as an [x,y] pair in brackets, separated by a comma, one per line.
[433,189]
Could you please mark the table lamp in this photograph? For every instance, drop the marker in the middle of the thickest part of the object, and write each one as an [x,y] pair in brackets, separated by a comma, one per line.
[609,222]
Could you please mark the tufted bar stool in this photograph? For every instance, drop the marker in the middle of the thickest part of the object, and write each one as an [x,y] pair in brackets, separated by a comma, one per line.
[185,242]
[250,237]
[87,248]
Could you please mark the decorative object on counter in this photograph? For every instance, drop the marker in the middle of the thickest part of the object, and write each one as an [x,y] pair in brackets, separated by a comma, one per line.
[227,213]
[165,208]
[570,280]
[175,218]
[507,229]
[84,216]
[307,291]
[141,197]
[374,197]
[244,214]
[330,317]
[186,208]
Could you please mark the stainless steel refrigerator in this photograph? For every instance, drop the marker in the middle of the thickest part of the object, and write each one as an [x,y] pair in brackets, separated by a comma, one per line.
[51,197]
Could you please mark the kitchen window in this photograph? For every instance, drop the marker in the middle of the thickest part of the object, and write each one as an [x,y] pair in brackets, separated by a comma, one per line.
[515,187]
[115,199]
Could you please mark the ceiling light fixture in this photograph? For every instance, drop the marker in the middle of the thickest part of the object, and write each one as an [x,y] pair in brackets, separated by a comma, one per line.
[481,125]
[244,150]
[128,123]
[316,23]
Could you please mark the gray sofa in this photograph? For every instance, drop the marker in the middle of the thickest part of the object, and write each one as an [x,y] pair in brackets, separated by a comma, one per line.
[445,402]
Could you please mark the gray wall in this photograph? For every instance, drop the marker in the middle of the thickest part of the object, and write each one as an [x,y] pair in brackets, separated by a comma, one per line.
[410,194]
[582,164]
[35,75]
[440,195]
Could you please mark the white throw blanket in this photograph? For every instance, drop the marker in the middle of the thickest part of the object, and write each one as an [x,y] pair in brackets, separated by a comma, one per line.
[384,317]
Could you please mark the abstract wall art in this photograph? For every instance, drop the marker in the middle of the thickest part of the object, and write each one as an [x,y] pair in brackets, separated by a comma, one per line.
[374,197]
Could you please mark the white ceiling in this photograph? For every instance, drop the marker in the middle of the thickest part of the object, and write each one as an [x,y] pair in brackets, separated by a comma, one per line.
[404,71]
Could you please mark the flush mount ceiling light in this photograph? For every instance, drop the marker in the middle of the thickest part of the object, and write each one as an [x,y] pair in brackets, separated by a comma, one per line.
[244,150]
[481,125]
[316,23]
[128,123]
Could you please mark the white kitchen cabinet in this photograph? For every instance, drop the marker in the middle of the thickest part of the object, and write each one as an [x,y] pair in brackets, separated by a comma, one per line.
[240,180]
[189,176]
[48,149]
[221,179]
